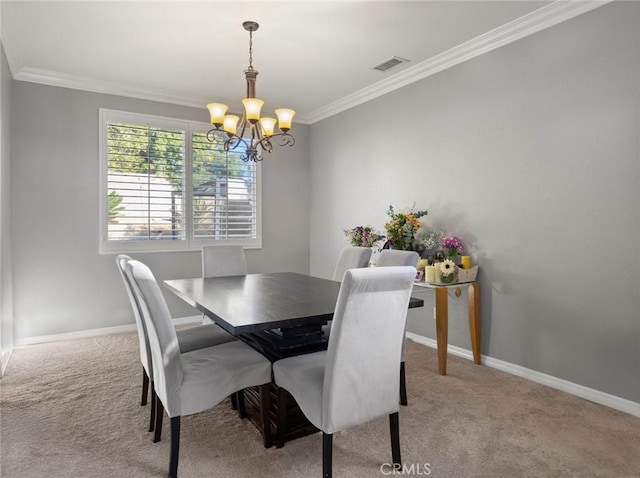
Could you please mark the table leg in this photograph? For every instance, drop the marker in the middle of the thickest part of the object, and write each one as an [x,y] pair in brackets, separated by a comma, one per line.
[442,327]
[474,320]
[265,411]
[281,418]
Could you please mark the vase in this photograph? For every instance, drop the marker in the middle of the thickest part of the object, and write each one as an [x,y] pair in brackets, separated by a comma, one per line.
[448,279]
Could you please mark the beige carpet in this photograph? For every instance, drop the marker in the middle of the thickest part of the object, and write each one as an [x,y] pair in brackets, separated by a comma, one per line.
[71,409]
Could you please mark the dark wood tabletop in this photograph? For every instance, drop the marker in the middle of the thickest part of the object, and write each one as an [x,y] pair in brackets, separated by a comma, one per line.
[257,302]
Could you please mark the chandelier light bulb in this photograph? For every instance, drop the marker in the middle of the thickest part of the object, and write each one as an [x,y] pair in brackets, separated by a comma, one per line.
[217,112]
[231,124]
[268,125]
[285,115]
[252,107]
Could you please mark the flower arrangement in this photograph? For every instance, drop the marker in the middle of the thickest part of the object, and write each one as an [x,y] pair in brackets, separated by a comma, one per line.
[447,267]
[402,228]
[432,241]
[447,271]
[362,236]
[452,246]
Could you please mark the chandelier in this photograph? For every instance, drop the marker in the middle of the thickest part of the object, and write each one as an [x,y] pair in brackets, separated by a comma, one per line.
[255,133]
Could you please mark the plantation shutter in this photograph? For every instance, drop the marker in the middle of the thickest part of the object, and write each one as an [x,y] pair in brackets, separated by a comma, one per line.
[165,187]
[224,192]
[145,178]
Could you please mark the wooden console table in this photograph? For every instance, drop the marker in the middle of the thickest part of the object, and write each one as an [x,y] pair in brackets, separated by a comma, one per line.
[442,318]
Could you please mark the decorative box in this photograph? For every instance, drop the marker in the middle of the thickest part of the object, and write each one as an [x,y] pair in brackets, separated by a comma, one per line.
[467,275]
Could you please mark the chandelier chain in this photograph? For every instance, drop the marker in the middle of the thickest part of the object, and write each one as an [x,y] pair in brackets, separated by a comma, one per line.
[250,50]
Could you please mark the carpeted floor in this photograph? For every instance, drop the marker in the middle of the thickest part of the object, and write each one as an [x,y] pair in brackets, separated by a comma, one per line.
[71,409]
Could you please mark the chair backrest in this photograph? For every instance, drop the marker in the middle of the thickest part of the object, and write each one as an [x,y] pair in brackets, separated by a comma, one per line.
[163,341]
[392,257]
[362,375]
[351,258]
[143,340]
[220,261]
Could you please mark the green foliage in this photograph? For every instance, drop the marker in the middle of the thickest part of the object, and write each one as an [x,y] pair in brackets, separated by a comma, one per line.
[401,229]
[115,206]
[146,150]
[160,152]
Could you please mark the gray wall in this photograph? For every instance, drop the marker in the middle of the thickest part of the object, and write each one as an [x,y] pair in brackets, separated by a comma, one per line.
[6,302]
[529,153]
[61,283]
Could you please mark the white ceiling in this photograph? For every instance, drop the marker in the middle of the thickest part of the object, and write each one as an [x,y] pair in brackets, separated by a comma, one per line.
[314,57]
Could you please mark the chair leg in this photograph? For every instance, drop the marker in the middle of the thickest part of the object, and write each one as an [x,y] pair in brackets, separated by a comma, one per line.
[175,447]
[265,409]
[282,417]
[159,415]
[152,419]
[234,401]
[403,386]
[242,411]
[145,387]
[394,427]
[327,451]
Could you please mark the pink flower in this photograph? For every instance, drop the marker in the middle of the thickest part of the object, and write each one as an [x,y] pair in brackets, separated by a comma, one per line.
[453,245]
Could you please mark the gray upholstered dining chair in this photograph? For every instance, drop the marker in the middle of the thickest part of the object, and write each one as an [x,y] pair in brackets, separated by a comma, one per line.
[192,382]
[225,260]
[357,378]
[189,339]
[351,258]
[218,261]
[391,257]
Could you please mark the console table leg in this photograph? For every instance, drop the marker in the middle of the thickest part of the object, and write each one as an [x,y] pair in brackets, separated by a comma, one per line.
[442,327]
[474,320]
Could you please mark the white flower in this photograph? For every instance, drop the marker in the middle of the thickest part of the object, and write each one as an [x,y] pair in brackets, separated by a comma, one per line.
[447,267]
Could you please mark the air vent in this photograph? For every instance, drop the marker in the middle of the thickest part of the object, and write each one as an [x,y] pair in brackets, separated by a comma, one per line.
[390,63]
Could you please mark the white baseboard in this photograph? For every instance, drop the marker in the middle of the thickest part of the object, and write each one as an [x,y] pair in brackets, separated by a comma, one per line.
[602,398]
[4,361]
[608,400]
[82,334]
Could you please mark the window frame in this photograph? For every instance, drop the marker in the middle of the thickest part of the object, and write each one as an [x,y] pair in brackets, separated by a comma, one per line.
[189,243]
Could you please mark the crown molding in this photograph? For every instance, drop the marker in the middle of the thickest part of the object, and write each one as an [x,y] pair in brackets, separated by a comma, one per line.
[52,78]
[545,17]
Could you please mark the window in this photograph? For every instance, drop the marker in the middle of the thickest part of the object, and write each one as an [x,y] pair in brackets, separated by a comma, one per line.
[165,187]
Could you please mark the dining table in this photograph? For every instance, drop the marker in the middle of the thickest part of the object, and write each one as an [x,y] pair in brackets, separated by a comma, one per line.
[280,314]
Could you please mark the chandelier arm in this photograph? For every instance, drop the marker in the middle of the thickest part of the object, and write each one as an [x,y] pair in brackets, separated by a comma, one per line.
[243,125]
[265,144]
[234,141]
[216,135]
[285,139]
